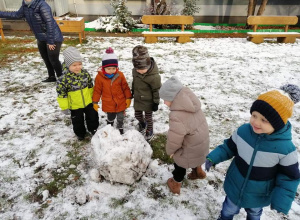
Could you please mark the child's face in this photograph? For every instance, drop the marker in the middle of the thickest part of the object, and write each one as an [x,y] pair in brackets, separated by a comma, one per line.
[260,124]
[76,67]
[110,69]
[142,71]
[167,103]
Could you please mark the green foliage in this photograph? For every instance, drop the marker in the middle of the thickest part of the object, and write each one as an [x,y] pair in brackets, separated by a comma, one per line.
[158,145]
[123,21]
[190,7]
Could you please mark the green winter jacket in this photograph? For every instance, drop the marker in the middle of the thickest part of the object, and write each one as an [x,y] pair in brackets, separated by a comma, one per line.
[145,88]
[74,90]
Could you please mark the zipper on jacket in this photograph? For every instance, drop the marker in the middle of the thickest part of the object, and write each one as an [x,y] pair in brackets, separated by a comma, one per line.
[80,84]
[249,170]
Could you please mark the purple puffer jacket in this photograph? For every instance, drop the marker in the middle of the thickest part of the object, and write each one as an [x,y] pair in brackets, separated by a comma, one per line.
[39,17]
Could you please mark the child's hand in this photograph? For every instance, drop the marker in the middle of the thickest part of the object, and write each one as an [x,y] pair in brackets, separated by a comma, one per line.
[154,107]
[96,107]
[128,102]
[66,112]
[208,164]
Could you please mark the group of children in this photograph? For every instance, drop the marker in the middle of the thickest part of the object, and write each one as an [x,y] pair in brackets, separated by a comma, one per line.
[78,95]
[264,170]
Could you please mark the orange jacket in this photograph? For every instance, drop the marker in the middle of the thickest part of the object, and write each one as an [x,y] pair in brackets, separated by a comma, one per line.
[113,92]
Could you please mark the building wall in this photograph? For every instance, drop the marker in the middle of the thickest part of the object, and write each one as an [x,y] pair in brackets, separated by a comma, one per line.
[211,11]
[231,11]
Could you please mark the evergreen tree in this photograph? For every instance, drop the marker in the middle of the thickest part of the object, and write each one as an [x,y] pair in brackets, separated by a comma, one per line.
[123,15]
[190,7]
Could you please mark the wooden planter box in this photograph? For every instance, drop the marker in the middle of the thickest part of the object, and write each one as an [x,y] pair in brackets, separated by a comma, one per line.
[1,30]
[74,25]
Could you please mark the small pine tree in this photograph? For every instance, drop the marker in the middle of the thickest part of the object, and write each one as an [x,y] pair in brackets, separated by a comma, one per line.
[190,7]
[122,14]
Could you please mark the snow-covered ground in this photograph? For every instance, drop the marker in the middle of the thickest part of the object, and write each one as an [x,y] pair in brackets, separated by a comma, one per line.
[37,144]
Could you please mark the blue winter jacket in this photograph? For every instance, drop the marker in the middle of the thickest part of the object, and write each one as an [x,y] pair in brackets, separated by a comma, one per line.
[39,17]
[264,170]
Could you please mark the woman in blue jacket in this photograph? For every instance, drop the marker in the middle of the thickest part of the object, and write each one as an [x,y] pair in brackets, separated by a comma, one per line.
[49,37]
[265,168]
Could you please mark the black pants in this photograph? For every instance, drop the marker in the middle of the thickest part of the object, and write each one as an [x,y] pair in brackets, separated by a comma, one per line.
[178,173]
[51,58]
[91,118]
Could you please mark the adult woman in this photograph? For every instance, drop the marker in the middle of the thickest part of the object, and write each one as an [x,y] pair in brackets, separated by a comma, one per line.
[49,37]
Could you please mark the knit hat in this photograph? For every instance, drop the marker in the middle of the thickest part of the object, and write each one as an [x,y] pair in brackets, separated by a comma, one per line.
[170,88]
[277,106]
[140,58]
[71,55]
[109,58]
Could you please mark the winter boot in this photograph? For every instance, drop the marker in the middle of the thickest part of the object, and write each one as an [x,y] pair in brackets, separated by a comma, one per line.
[50,79]
[149,135]
[121,131]
[174,186]
[142,127]
[197,173]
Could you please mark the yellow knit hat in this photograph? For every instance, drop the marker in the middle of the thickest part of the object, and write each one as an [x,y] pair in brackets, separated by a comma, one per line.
[276,106]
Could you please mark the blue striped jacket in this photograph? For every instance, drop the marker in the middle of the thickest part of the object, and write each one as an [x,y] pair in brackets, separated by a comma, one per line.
[264,170]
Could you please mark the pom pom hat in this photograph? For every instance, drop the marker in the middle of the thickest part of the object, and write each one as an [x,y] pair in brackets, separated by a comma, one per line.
[109,58]
[71,55]
[277,106]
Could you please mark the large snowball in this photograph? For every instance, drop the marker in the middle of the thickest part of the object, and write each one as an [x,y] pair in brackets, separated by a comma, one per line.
[120,158]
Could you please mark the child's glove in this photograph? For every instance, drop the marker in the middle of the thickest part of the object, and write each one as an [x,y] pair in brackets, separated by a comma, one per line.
[208,164]
[154,107]
[128,102]
[66,112]
[96,106]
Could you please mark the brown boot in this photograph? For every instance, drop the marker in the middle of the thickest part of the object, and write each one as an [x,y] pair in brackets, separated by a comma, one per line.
[174,186]
[197,173]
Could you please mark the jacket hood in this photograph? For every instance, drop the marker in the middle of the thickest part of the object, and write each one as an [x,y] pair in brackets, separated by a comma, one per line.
[185,100]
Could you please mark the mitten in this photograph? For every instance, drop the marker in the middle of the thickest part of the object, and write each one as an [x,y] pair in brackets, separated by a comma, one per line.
[154,107]
[128,102]
[95,106]
[66,112]
[208,164]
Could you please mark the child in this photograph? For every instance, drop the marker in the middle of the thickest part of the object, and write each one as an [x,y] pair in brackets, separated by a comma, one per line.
[188,136]
[75,89]
[265,169]
[111,86]
[145,89]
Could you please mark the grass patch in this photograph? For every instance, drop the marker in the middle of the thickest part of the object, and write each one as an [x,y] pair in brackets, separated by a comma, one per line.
[14,47]
[158,145]
[156,192]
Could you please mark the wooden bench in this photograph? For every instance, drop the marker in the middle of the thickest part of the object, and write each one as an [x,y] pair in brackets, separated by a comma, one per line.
[1,31]
[282,37]
[181,36]
[75,25]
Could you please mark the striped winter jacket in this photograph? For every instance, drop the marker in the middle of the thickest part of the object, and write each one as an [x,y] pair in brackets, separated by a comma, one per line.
[264,170]
[74,90]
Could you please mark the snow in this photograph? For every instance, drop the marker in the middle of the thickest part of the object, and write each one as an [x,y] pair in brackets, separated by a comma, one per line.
[120,158]
[274,33]
[37,142]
